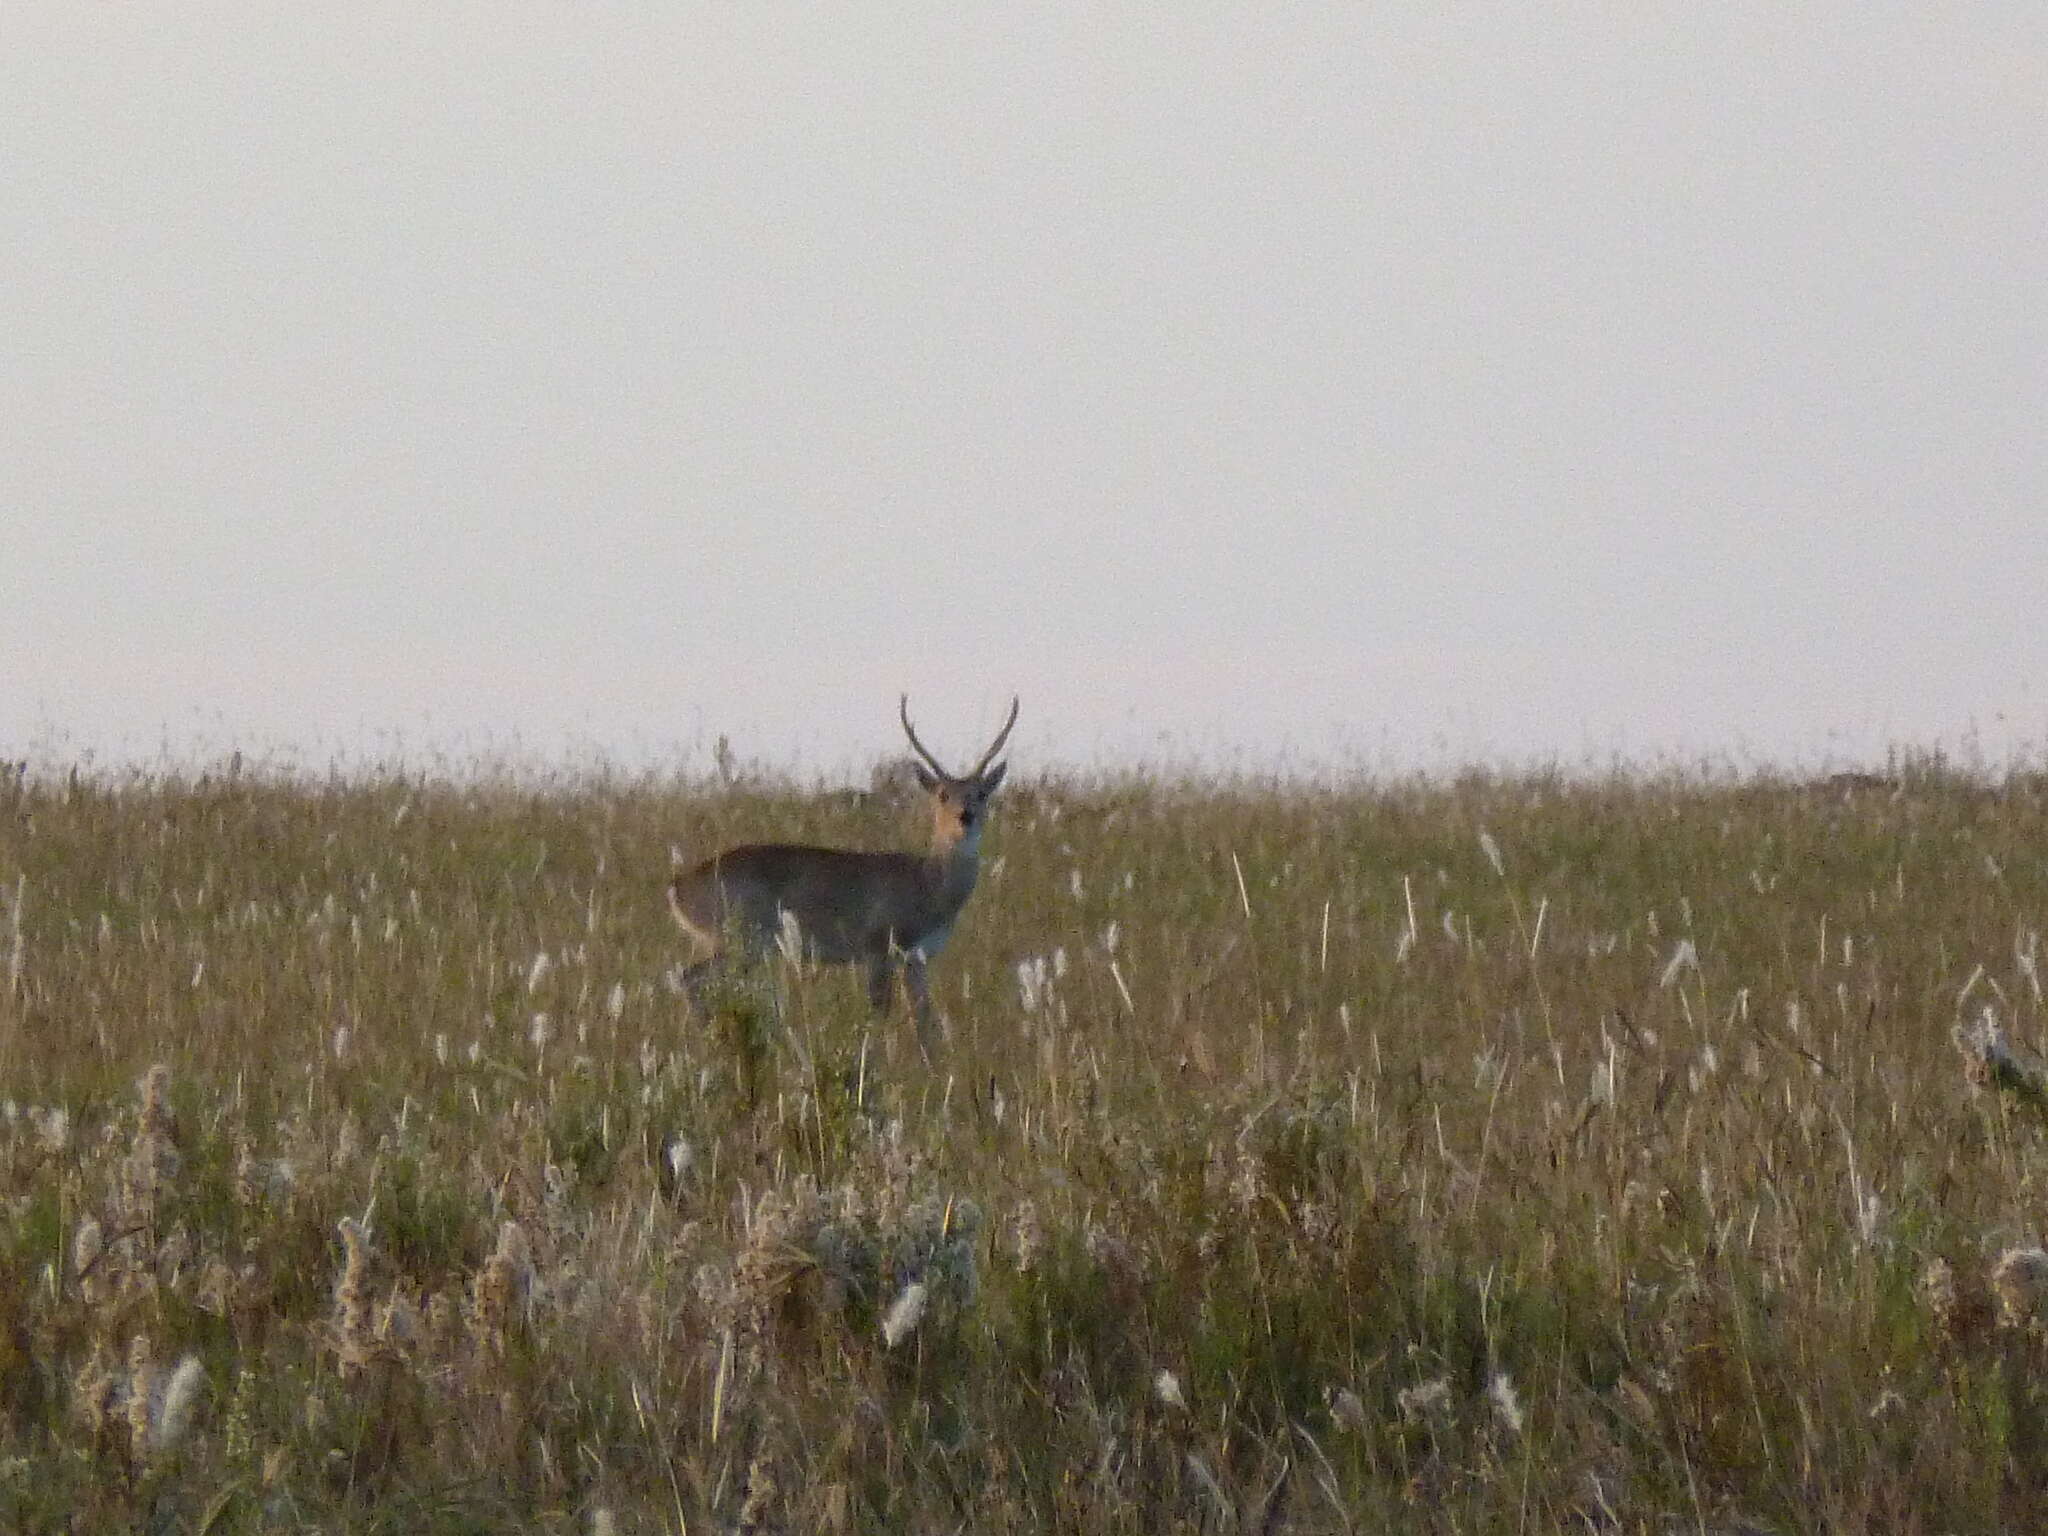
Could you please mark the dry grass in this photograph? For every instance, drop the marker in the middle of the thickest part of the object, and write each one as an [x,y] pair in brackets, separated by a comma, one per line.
[1503,1155]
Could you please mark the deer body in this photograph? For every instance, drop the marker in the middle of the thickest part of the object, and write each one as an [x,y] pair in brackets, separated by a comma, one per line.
[890,912]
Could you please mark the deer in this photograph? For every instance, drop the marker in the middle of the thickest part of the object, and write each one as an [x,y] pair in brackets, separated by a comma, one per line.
[889,912]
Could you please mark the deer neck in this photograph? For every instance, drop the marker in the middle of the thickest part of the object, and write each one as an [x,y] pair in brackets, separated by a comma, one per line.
[954,864]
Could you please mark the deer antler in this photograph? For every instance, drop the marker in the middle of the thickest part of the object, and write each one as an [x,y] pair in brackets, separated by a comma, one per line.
[997,745]
[903,712]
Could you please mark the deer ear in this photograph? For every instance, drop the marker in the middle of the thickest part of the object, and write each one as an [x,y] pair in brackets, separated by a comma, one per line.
[926,777]
[993,777]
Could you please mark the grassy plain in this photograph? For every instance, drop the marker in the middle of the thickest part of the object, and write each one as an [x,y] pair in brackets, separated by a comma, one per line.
[1505,1154]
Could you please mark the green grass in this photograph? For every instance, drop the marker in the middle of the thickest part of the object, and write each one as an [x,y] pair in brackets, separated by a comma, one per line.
[1650,1127]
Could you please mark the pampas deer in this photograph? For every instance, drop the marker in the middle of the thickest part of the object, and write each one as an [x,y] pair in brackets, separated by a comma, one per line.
[889,912]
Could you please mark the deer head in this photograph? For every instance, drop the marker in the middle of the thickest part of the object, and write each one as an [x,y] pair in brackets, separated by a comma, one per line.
[958,800]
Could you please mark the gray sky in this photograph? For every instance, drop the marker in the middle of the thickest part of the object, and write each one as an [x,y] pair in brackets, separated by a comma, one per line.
[1421,382]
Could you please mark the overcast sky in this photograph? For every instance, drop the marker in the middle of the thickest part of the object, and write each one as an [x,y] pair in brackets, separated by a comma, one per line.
[1408,383]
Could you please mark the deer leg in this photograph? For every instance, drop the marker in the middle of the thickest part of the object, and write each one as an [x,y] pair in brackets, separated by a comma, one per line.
[881,983]
[694,979]
[703,980]
[921,1005]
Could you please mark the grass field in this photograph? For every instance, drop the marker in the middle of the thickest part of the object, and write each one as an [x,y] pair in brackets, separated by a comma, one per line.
[1506,1154]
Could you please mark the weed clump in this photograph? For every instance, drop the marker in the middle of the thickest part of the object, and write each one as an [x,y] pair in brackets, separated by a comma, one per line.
[1990,1061]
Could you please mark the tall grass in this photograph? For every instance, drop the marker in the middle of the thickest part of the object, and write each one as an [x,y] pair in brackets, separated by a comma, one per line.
[1509,1154]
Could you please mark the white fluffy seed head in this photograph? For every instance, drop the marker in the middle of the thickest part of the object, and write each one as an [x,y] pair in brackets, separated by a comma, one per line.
[1426,1400]
[87,1244]
[903,1315]
[1507,1406]
[174,1412]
